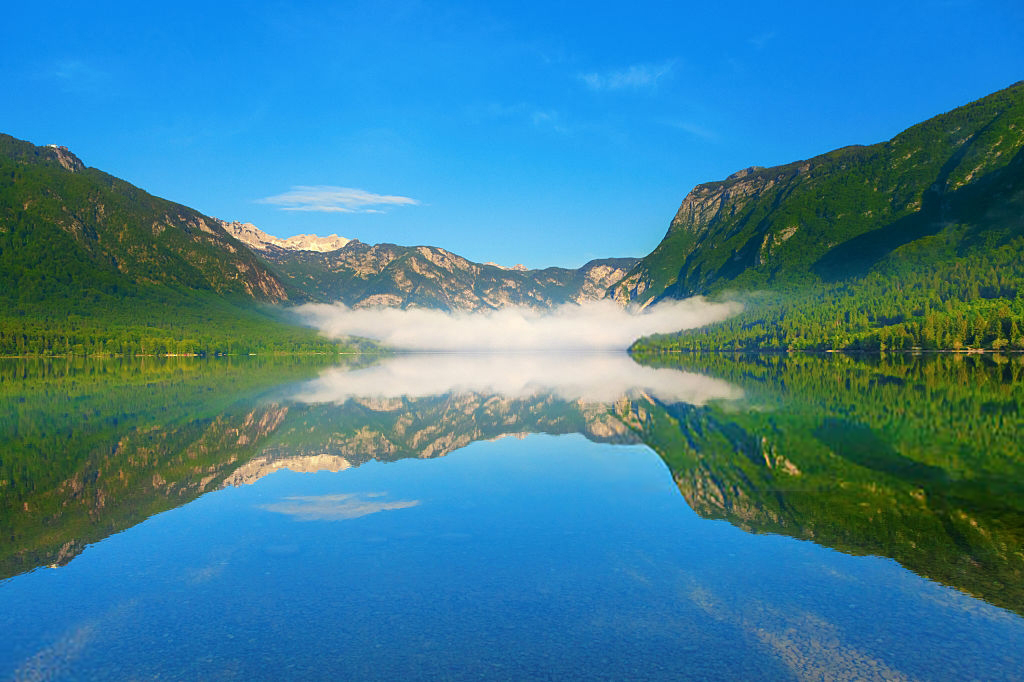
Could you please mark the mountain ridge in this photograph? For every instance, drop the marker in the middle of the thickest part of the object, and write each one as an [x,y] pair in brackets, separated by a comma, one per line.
[390,275]
[92,264]
[255,238]
[907,243]
[120,228]
[724,228]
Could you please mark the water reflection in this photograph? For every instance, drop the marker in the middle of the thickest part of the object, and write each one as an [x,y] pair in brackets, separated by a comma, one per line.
[917,459]
[335,507]
[588,377]
[920,459]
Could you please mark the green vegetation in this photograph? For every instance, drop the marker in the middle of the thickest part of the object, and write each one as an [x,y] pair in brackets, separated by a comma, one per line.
[929,295]
[92,265]
[163,323]
[917,458]
[91,446]
[911,243]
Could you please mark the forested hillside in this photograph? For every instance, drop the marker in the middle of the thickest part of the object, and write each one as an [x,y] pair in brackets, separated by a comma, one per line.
[914,242]
[92,264]
[917,458]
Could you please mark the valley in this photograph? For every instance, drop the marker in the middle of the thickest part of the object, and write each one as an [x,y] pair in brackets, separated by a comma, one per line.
[909,244]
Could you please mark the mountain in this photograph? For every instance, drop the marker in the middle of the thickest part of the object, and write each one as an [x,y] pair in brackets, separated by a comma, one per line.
[256,238]
[110,231]
[90,263]
[360,275]
[899,243]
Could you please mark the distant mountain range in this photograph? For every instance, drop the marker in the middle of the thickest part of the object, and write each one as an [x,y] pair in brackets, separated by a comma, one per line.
[116,237]
[910,243]
[90,263]
[257,239]
[360,275]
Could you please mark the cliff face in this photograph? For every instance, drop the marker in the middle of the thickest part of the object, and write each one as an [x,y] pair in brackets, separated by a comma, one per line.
[837,214]
[695,230]
[65,158]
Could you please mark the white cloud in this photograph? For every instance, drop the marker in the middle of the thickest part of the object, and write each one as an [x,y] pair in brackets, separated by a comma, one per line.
[600,325]
[589,377]
[332,199]
[335,507]
[694,129]
[548,119]
[762,39]
[538,117]
[75,75]
[635,77]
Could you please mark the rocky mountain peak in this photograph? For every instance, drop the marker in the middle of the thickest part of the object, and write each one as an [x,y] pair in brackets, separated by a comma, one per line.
[744,173]
[65,158]
[518,267]
[256,238]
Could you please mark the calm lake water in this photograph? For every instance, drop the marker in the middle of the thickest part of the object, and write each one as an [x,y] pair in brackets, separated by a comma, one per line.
[513,517]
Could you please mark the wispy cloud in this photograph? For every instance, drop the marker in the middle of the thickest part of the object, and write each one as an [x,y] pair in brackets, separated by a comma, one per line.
[549,120]
[635,77]
[76,75]
[330,199]
[546,119]
[762,39]
[693,129]
[339,507]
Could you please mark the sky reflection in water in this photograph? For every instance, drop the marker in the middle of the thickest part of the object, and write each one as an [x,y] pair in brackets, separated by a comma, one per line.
[538,557]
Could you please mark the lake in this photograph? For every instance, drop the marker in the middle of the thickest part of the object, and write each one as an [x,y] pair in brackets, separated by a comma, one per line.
[545,516]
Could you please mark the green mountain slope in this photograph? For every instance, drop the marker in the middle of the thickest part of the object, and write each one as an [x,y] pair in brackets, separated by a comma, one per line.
[910,242]
[90,263]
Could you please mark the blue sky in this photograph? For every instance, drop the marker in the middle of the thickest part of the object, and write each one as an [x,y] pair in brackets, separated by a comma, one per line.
[543,133]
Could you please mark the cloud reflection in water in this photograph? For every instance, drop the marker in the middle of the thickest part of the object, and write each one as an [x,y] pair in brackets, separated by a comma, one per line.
[590,377]
[338,507]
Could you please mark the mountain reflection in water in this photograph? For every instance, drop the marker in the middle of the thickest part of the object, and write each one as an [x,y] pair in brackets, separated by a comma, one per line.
[914,458]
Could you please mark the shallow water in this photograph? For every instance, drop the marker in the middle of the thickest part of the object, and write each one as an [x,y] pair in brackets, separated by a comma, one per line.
[514,517]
